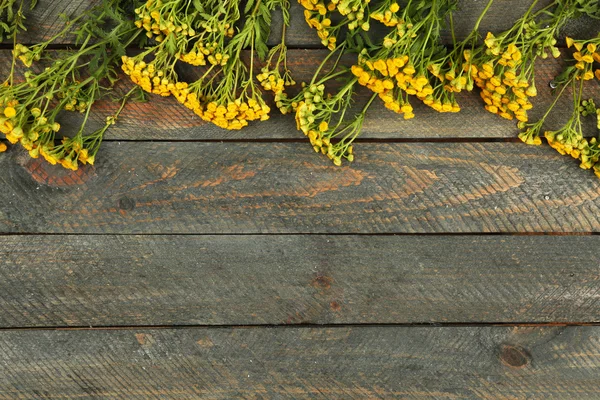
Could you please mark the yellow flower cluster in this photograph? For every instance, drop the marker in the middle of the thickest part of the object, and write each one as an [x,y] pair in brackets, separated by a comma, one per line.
[505,64]
[354,11]
[505,87]
[321,117]
[531,135]
[209,45]
[566,141]
[158,24]
[387,76]
[8,121]
[405,63]
[272,81]
[313,99]
[183,27]
[236,114]
[317,15]
[226,93]
[152,78]
[228,114]
[25,54]
[386,14]
[70,80]
[201,54]
[570,139]
[36,133]
[590,155]
[319,133]
[313,120]
[449,71]
[275,76]
[587,52]
[390,77]
[395,101]
[569,142]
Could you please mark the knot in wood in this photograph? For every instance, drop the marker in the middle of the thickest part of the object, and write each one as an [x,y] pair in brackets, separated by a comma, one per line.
[57,176]
[127,204]
[322,281]
[514,356]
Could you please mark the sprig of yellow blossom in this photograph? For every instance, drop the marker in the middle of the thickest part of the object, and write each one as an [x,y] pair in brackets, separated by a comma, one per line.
[73,81]
[275,76]
[202,33]
[401,65]
[504,67]
[322,117]
[570,138]
[319,14]
[229,96]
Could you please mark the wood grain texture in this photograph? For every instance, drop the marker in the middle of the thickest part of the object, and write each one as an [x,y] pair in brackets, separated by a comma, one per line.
[146,121]
[45,21]
[302,363]
[286,188]
[49,281]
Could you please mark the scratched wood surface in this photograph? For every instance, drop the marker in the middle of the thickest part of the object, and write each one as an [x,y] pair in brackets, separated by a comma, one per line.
[302,363]
[219,265]
[242,188]
[297,279]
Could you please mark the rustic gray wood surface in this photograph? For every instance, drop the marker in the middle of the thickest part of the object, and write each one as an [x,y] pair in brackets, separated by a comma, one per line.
[208,188]
[302,363]
[127,280]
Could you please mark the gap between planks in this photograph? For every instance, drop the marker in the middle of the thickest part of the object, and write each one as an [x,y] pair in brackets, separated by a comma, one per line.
[304,140]
[307,326]
[359,140]
[374,234]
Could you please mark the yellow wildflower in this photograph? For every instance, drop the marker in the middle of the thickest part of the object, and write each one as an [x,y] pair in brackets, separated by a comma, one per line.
[10,112]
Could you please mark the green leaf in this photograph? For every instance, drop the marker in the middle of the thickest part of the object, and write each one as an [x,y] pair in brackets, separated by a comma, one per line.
[249,5]
[198,6]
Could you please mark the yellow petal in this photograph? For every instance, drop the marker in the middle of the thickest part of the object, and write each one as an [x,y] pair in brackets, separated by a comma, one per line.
[569,41]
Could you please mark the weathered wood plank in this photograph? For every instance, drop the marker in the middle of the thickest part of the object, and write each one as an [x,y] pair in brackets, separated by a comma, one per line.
[49,281]
[302,363]
[284,187]
[147,120]
[45,21]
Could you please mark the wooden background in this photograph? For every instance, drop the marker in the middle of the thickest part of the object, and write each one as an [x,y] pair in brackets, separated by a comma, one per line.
[448,261]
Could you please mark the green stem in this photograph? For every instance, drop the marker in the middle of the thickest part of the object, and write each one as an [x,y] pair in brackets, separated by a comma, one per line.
[485,10]
[556,98]
[452,29]
[366,107]
[341,48]
[14,59]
